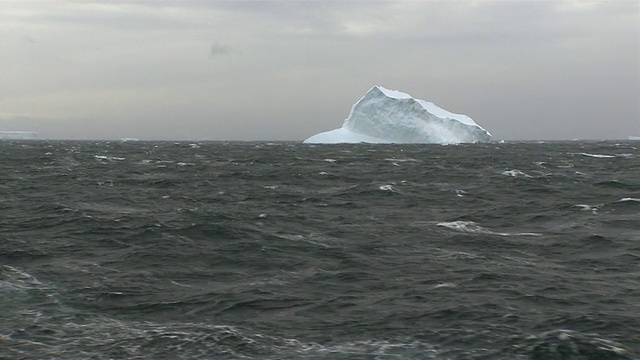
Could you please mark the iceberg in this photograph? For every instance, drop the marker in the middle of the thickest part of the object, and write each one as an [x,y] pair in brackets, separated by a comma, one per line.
[18,135]
[390,116]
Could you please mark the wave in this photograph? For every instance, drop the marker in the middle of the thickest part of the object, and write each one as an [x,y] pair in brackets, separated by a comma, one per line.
[276,253]
[585,207]
[516,173]
[102,337]
[14,279]
[607,156]
[108,337]
[108,158]
[473,228]
[388,187]
[568,344]
[599,156]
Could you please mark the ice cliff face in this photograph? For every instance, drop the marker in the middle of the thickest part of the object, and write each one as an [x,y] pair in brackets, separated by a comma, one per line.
[389,116]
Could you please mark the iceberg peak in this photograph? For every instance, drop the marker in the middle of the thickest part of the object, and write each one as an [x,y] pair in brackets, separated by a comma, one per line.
[390,116]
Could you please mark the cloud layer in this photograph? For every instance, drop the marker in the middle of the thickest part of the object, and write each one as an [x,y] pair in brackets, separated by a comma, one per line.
[283,70]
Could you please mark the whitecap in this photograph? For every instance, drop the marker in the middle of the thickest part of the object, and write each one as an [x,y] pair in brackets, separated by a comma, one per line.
[446,285]
[596,155]
[402,160]
[108,158]
[571,344]
[629,199]
[106,183]
[461,193]
[585,207]
[473,228]
[465,226]
[179,284]
[294,237]
[566,165]
[516,173]
[387,188]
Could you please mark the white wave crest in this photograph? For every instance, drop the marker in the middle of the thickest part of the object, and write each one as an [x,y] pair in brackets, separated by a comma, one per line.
[108,158]
[584,207]
[601,156]
[473,228]
[388,187]
[516,173]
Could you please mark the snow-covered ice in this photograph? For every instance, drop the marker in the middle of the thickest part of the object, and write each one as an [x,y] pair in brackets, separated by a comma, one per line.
[18,135]
[390,116]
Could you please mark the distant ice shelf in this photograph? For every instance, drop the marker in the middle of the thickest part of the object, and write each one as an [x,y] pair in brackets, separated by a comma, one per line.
[18,135]
[390,116]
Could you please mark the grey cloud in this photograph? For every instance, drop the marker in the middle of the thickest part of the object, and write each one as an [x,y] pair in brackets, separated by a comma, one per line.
[523,70]
[123,16]
[218,49]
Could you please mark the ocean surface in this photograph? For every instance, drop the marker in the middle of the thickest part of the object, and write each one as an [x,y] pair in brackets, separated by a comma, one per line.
[163,250]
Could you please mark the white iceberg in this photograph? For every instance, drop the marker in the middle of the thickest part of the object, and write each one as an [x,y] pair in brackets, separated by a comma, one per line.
[389,116]
[18,135]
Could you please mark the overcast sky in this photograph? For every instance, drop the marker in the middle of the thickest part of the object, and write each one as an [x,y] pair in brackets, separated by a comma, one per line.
[285,70]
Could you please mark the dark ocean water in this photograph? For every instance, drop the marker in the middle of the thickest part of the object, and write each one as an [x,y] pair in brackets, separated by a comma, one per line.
[143,250]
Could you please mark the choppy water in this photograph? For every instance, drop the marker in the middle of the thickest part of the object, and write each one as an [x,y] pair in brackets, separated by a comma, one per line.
[287,251]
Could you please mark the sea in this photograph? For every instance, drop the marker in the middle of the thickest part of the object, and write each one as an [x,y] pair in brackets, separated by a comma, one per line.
[256,250]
